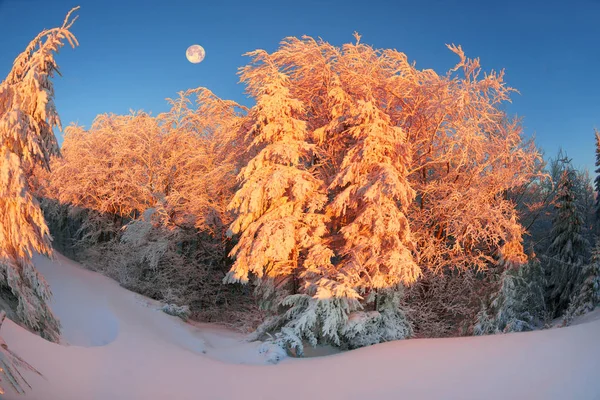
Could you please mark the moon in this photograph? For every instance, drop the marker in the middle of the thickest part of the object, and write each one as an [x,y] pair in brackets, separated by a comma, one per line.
[195,53]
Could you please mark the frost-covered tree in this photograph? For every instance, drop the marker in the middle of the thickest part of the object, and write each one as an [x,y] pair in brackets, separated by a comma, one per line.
[279,209]
[518,305]
[597,179]
[565,255]
[179,167]
[417,170]
[586,203]
[588,296]
[372,196]
[27,119]
[182,161]
[279,203]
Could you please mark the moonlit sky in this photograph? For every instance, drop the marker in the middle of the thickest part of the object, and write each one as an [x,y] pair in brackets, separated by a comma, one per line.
[132,53]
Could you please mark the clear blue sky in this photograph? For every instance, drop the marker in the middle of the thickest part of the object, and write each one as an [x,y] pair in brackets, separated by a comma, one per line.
[132,53]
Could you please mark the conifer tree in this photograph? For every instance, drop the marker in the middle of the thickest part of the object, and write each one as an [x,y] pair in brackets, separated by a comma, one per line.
[279,204]
[27,119]
[597,180]
[566,251]
[588,296]
[518,305]
[372,198]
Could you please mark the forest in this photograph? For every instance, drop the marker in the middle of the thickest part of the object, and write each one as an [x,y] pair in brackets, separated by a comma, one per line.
[360,200]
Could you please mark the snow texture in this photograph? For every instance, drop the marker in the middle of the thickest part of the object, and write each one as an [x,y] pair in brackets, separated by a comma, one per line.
[123,349]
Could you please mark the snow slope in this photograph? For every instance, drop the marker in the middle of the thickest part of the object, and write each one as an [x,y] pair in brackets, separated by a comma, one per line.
[118,346]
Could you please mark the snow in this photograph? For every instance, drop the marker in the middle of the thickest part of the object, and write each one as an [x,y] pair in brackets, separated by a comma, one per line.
[119,345]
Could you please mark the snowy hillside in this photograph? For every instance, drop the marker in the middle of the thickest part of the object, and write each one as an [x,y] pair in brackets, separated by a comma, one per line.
[118,346]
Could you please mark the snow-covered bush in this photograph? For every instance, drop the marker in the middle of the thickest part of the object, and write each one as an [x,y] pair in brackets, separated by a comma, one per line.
[444,304]
[182,312]
[372,327]
[272,352]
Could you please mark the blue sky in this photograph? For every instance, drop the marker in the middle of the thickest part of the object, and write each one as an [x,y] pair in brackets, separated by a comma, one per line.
[132,53]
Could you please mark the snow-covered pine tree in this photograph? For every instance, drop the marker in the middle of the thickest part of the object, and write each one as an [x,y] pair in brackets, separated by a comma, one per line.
[584,191]
[597,180]
[279,205]
[27,119]
[588,296]
[565,255]
[518,305]
[372,195]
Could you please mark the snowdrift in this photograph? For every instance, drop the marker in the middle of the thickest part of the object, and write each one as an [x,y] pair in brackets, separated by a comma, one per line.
[118,345]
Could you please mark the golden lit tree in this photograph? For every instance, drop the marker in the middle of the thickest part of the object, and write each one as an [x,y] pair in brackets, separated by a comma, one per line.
[278,203]
[27,119]
[417,169]
[144,199]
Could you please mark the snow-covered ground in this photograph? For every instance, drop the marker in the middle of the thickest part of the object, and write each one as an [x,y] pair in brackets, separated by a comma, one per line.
[119,346]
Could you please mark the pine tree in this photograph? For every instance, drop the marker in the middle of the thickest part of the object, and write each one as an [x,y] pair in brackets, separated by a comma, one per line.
[586,203]
[373,195]
[597,180]
[372,198]
[279,202]
[588,296]
[279,206]
[27,119]
[518,305]
[565,254]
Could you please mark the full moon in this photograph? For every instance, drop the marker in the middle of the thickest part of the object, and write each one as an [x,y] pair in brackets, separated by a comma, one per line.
[195,53]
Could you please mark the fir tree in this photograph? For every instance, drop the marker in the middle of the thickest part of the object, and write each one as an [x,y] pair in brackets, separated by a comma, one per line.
[565,254]
[597,180]
[279,202]
[279,215]
[588,295]
[27,119]
[519,303]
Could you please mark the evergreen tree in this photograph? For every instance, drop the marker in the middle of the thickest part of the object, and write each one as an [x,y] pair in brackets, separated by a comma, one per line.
[519,303]
[586,202]
[588,296]
[597,180]
[280,218]
[27,119]
[565,256]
